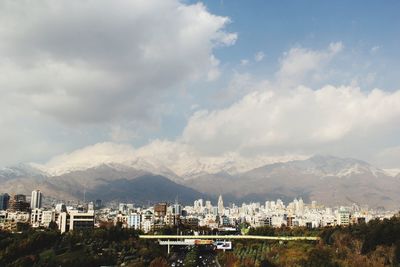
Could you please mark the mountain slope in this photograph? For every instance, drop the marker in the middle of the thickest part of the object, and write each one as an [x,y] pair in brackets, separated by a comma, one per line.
[329,180]
[106,182]
[144,189]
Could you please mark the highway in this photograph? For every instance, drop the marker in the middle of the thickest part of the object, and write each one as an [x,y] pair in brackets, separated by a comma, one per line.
[206,257]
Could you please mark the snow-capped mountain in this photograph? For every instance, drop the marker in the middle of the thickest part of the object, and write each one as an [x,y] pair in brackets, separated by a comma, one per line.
[327,179]
[392,172]
[21,170]
[329,166]
[163,158]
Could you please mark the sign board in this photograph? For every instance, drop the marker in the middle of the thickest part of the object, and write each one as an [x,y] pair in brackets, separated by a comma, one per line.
[203,242]
[223,245]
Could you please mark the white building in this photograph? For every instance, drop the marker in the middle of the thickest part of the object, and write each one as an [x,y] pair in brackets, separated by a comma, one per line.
[42,218]
[36,217]
[48,216]
[220,205]
[134,221]
[75,220]
[343,217]
[36,199]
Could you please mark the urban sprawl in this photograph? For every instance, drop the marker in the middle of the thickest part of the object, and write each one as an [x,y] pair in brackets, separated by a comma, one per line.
[18,211]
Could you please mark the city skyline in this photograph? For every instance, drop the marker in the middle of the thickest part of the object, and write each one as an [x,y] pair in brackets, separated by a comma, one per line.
[199,133]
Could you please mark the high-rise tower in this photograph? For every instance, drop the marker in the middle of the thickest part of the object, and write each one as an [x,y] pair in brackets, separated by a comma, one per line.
[4,199]
[36,199]
[220,205]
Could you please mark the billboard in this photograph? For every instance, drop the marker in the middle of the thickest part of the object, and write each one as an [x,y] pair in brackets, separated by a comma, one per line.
[203,242]
[223,245]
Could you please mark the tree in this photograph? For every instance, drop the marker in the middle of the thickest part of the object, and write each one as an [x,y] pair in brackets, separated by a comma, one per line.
[53,225]
[397,253]
[159,262]
[191,258]
[320,257]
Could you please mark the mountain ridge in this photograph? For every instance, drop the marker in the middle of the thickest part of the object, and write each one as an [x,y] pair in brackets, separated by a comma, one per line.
[327,179]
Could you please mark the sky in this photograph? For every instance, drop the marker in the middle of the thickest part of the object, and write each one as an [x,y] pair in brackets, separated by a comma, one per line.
[243,81]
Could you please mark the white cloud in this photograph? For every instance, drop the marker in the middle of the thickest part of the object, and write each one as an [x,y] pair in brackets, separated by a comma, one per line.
[299,62]
[91,61]
[269,123]
[265,126]
[72,64]
[214,72]
[300,120]
[259,56]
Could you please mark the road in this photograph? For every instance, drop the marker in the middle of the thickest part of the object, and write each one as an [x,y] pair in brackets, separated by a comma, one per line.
[205,257]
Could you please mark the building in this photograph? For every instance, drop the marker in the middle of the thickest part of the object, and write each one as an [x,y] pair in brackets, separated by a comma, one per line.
[98,204]
[263,221]
[16,221]
[36,217]
[75,220]
[3,217]
[160,209]
[290,221]
[123,208]
[60,207]
[18,203]
[198,205]
[121,219]
[172,219]
[344,217]
[191,222]
[220,205]
[147,221]
[36,199]
[48,216]
[224,221]
[208,205]
[42,218]
[176,209]
[134,221]
[4,199]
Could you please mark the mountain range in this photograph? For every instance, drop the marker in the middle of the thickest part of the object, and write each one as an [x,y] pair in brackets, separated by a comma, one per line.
[326,179]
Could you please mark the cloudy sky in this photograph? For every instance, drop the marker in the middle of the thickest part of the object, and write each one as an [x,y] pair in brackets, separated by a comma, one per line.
[246,80]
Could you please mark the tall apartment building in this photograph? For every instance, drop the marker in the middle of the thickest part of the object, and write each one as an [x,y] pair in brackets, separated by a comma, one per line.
[18,203]
[36,199]
[4,199]
[220,205]
[344,217]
